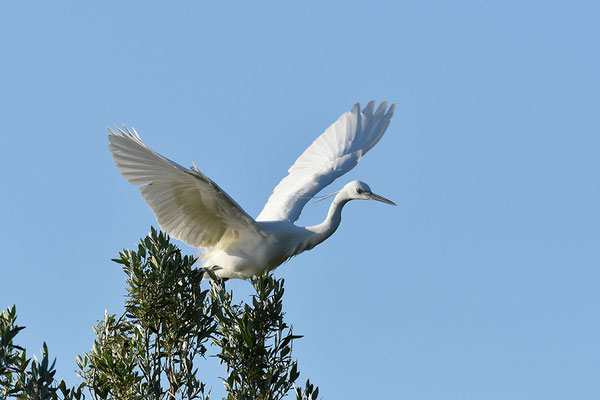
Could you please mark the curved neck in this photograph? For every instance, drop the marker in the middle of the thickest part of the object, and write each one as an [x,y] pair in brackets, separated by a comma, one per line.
[331,223]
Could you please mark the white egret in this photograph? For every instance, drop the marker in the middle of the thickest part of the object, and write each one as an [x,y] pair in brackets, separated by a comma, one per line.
[192,208]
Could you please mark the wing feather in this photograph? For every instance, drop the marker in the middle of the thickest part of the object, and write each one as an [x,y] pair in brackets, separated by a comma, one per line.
[335,152]
[187,204]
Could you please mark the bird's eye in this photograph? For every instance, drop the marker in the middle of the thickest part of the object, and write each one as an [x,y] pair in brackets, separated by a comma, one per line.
[359,190]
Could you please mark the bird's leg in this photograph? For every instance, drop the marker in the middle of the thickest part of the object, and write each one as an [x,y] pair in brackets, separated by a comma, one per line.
[220,280]
[209,273]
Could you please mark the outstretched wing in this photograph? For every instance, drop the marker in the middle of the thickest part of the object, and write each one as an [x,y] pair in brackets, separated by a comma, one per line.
[334,153]
[187,204]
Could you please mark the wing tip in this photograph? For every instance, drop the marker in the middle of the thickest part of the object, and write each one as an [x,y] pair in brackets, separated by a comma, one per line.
[391,110]
[123,133]
[368,110]
[382,109]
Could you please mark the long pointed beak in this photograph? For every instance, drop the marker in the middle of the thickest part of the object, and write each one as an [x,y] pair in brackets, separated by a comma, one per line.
[373,196]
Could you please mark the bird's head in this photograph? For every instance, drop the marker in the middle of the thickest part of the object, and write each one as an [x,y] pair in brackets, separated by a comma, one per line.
[357,190]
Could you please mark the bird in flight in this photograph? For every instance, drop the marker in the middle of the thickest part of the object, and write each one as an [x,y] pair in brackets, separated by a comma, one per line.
[192,208]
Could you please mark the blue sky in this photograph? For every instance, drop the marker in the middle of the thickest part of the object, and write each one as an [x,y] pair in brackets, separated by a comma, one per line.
[481,284]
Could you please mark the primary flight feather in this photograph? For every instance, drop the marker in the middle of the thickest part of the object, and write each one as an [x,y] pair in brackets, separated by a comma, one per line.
[190,207]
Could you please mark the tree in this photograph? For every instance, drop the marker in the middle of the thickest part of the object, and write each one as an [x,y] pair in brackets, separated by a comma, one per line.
[24,378]
[256,343]
[151,350]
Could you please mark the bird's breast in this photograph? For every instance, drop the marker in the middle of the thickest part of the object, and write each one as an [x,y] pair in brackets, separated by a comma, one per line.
[246,258]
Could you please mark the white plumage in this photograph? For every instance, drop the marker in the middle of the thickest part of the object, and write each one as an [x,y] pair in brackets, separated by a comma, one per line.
[192,208]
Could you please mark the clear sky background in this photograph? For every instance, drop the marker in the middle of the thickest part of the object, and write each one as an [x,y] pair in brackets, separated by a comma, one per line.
[481,284]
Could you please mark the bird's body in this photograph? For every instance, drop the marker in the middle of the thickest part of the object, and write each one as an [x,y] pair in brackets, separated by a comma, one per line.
[246,258]
[282,240]
[192,208]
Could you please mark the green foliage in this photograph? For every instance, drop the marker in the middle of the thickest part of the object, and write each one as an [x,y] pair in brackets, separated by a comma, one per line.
[22,377]
[151,350]
[255,342]
[310,392]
